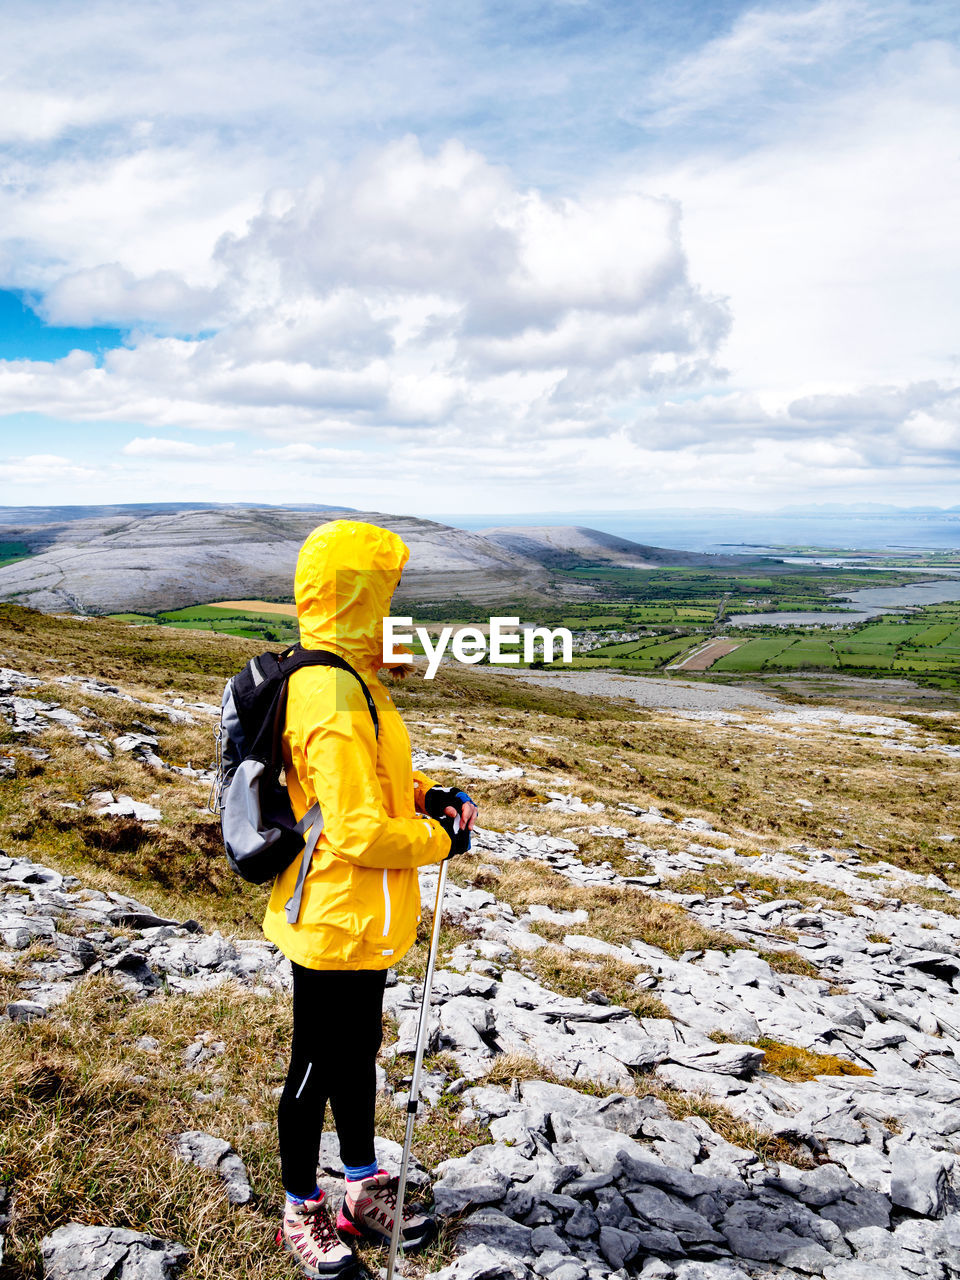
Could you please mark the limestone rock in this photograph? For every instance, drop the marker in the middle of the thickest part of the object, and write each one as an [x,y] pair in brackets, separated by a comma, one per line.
[78,1252]
[216,1154]
[483,1263]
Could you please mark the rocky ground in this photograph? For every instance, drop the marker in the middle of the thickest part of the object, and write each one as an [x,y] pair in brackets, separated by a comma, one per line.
[664,1138]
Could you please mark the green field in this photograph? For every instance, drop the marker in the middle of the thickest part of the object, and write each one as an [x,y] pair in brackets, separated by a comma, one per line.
[929,645]
[924,644]
[679,609]
[250,624]
[753,655]
[808,653]
[11,551]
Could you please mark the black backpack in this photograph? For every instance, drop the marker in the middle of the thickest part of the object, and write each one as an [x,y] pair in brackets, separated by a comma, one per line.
[260,833]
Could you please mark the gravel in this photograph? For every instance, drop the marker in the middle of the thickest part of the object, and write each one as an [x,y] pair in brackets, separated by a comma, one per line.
[698,700]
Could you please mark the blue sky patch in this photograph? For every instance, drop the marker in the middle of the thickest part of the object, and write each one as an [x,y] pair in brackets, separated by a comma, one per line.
[24,336]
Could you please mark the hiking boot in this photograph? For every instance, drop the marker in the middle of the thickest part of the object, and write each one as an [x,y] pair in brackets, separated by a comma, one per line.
[371,1215]
[308,1232]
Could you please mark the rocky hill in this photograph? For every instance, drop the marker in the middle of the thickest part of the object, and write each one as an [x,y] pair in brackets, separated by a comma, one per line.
[127,559]
[696,1012]
[166,561]
[571,546]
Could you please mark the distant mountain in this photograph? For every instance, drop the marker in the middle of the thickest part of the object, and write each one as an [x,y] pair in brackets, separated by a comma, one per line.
[55,515]
[141,559]
[146,563]
[573,546]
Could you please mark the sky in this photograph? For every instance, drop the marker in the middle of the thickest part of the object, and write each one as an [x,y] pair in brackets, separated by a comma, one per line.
[541,255]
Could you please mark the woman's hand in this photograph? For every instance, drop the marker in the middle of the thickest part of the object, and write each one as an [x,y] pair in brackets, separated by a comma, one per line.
[447,805]
[467,811]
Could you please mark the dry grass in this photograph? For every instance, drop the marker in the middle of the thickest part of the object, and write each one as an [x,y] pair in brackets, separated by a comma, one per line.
[735,1130]
[616,915]
[930,899]
[508,1067]
[558,970]
[790,962]
[87,1121]
[715,882]
[790,1062]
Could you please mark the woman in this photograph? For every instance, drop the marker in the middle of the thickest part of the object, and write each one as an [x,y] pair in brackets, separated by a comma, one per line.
[361,899]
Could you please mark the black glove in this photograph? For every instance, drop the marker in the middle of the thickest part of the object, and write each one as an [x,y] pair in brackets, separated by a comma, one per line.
[438,798]
[459,840]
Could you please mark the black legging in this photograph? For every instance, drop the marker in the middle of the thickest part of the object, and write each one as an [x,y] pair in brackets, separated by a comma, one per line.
[337,1030]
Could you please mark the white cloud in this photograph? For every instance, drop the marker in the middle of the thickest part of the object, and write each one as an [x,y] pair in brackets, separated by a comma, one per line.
[408,290]
[786,210]
[766,49]
[157,447]
[43,468]
[835,240]
[30,116]
[110,294]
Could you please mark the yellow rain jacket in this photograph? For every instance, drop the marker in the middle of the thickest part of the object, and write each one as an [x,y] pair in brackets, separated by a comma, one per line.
[361,897]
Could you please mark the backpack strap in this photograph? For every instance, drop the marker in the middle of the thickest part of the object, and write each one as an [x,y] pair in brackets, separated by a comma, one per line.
[313,819]
[290,662]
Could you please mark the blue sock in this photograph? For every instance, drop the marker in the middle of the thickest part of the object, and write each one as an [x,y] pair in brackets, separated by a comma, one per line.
[357,1172]
[314,1195]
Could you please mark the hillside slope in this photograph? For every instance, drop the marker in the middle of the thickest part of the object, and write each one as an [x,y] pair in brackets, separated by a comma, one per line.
[696,999]
[571,546]
[178,558]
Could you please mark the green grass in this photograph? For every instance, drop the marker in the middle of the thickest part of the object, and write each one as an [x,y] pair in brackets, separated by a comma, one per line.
[936,634]
[869,661]
[753,655]
[246,624]
[891,632]
[657,655]
[808,653]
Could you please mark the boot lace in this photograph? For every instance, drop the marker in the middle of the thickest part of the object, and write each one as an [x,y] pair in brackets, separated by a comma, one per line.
[387,1194]
[320,1226]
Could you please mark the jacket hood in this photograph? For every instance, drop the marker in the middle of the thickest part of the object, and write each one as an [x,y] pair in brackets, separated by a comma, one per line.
[347,572]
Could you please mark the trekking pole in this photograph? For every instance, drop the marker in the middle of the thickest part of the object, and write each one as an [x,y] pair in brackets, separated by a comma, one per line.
[413,1099]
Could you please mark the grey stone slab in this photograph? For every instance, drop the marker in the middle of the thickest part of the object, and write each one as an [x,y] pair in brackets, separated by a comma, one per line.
[659,1209]
[582,1223]
[545,1238]
[568,1269]
[484,1263]
[691,1270]
[216,1154]
[690,1080]
[773,1234]
[860,1270]
[618,1247]
[492,1228]
[858,1208]
[640,1171]
[923,1181]
[78,1252]
[25,1010]
[468,1181]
